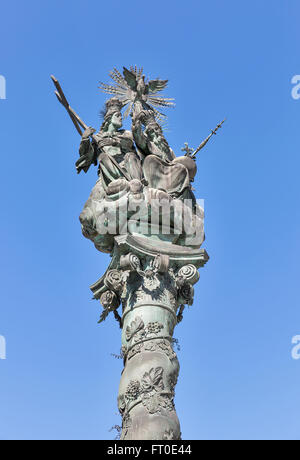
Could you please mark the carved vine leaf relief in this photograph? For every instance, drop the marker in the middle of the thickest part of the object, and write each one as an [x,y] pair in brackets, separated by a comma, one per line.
[136,325]
[152,380]
[151,282]
[143,212]
[140,335]
[150,392]
[162,345]
[138,329]
[155,402]
[154,288]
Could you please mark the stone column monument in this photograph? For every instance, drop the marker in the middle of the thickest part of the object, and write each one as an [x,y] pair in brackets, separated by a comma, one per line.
[142,211]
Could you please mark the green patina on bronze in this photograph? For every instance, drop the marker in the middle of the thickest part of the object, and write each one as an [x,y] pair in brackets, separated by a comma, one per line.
[153,265]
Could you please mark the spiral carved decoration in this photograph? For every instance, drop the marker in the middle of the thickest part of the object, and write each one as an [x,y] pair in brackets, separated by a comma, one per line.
[189,273]
[113,280]
[151,290]
[130,262]
[152,228]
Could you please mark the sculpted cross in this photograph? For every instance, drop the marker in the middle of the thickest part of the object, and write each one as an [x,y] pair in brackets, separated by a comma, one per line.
[188,151]
[142,211]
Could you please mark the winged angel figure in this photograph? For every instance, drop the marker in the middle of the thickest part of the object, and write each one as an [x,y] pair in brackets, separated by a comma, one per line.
[133,89]
[137,168]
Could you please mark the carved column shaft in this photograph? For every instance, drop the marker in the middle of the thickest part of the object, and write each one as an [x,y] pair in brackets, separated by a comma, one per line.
[151,367]
[153,289]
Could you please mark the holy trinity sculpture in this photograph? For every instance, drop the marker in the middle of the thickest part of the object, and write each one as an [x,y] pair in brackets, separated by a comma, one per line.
[143,212]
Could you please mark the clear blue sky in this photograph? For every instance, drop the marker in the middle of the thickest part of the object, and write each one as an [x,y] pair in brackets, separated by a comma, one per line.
[223,58]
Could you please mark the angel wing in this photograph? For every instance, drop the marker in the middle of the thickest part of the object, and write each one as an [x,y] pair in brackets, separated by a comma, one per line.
[125,87]
[130,78]
[157,85]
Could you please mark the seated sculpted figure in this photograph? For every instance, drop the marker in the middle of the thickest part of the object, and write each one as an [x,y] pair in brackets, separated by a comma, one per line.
[161,169]
[150,182]
[113,149]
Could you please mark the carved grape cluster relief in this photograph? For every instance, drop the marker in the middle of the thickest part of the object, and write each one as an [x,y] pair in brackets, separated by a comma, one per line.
[154,328]
[150,391]
[133,390]
[140,337]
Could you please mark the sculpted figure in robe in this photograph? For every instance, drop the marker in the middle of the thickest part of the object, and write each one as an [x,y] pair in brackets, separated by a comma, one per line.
[140,180]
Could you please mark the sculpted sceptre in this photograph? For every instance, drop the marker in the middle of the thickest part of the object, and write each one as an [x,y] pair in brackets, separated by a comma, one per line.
[143,212]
